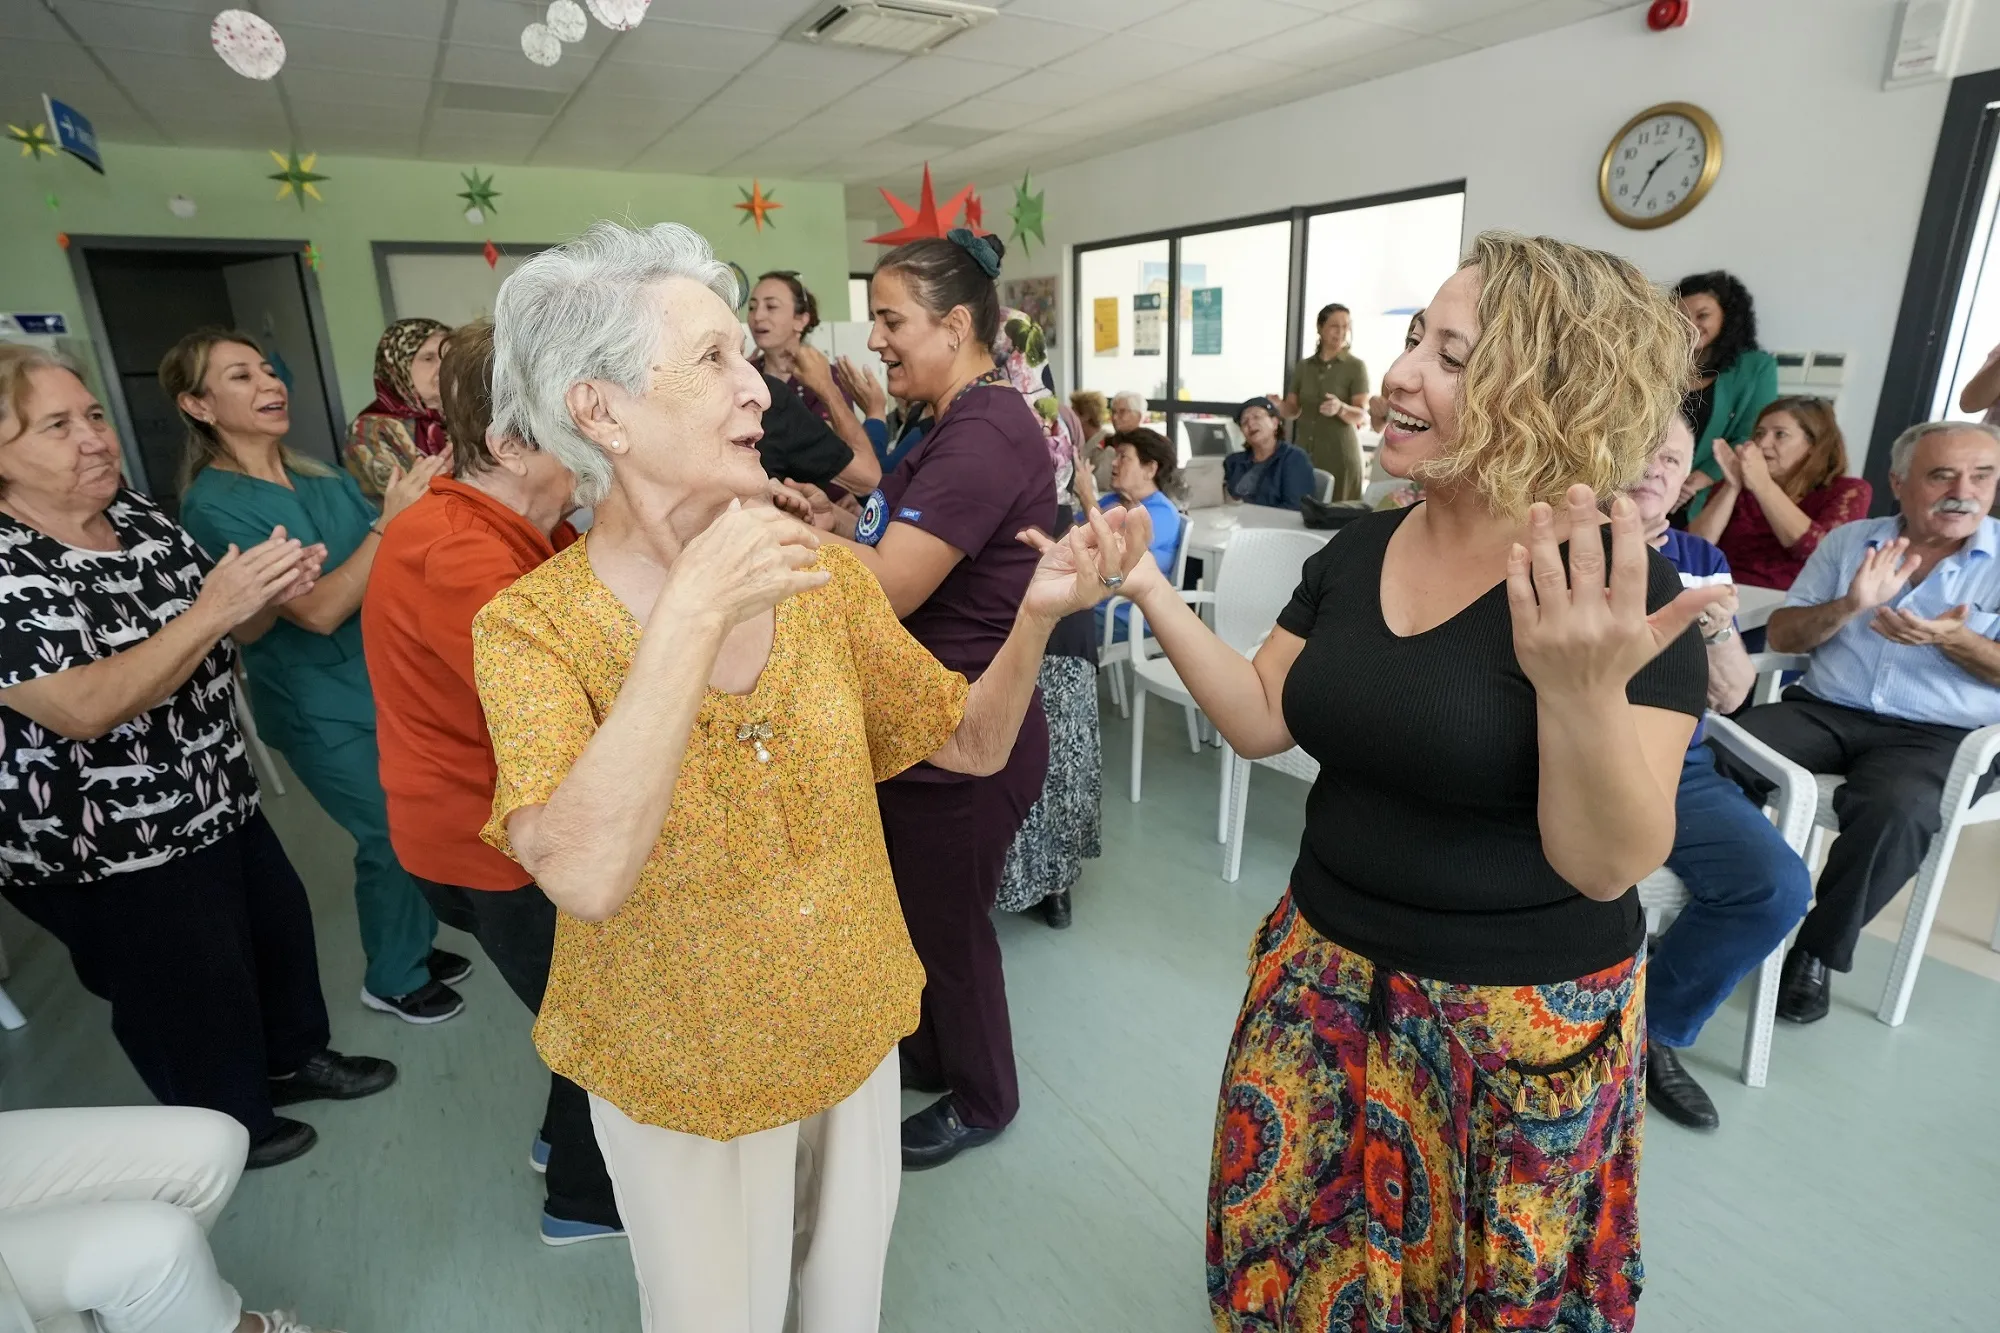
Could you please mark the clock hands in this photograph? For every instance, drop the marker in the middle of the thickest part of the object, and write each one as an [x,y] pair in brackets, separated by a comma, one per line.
[1655,171]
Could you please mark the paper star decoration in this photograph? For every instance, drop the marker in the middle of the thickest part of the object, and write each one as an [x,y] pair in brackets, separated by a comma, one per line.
[975,212]
[757,206]
[1027,215]
[479,193]
[34,142]
[312,256]
[297,177]
[492,253]
[926,220]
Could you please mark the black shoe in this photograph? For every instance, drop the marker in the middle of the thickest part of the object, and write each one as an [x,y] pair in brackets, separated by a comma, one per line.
[1056,910]
[448,969]
[1805,992]
[432,1002]
[333,1077]
[935,1135]
[915,1082]
[285,1140]
[1672,1091]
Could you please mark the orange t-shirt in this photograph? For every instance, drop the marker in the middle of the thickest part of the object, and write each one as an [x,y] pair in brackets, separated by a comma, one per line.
[441,560]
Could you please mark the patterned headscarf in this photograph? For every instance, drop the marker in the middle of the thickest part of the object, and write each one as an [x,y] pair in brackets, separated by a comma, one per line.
[1022,352]
[395,395]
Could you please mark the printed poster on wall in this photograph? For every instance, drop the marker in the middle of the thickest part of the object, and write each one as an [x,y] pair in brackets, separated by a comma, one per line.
[1104,325]
[1148,328]
[1207,321]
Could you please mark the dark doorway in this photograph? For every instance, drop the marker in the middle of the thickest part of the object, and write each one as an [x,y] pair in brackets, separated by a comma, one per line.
[141,295]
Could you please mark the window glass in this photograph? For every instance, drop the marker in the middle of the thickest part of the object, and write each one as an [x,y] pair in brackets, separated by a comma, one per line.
[1383,264]
[1120,319]
[1234,286]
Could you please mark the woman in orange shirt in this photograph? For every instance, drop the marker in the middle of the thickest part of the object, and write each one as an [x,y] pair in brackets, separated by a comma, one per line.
[500,512]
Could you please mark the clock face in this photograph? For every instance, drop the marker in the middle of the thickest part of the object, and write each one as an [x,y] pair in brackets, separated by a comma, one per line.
[1660,166]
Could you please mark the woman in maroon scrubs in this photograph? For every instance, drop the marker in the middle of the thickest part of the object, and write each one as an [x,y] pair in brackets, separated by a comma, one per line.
[942,536]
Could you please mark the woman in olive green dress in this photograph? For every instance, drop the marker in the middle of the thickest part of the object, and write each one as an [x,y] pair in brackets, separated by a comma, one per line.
[308,678]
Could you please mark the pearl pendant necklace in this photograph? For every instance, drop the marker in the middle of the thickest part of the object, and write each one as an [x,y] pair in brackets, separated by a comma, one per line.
[757,733]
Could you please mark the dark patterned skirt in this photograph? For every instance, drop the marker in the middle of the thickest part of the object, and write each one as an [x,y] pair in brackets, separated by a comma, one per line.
[1064,828]
[1394,1154]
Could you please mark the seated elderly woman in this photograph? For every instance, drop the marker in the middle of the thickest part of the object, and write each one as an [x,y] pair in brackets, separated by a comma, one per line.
[1139,478]
[1781,492]
[1267,471]
[133,833]
[690,709]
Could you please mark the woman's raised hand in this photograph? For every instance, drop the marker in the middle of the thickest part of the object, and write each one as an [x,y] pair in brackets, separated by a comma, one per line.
[1072,572]
[742,565]
[404,489]
[862,386]
[242,583]
[1574,635]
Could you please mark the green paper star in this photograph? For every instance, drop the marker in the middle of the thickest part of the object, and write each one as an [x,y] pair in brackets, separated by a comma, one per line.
[51,200]
[34,142]
[297,177]
[1027,215]
[479,193]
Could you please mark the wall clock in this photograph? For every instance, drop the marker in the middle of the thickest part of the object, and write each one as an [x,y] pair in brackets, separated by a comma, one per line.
[1660,165]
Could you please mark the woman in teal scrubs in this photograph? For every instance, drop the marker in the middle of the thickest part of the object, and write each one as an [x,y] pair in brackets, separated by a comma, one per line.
[308,678]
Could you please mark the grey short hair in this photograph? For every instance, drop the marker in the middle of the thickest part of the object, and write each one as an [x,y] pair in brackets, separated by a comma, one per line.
[1131,398]
[587,310]
[1905,447]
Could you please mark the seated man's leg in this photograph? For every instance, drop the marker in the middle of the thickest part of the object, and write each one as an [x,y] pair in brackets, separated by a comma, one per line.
[1888,811]
[1747,889]
[1799,727]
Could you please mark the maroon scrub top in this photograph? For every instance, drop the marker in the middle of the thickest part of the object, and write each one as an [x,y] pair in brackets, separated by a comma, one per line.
[973,482]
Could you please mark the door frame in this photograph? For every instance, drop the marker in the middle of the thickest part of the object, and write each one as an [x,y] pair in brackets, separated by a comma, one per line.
[80,249]
[1945,228]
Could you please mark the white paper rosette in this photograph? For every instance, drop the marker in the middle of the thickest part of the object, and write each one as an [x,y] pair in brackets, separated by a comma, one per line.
[618,15]
[247,44]
[540,45]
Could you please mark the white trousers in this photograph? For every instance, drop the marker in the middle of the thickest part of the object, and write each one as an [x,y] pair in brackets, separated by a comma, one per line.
[107,1209]
[782,1231]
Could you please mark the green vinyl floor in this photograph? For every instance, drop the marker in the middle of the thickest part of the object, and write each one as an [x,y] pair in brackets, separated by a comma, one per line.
[1859,1191]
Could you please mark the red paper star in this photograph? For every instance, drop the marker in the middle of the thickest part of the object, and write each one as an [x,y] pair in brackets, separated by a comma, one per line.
[492,253]
[975,213]
[757,206]
[924,221]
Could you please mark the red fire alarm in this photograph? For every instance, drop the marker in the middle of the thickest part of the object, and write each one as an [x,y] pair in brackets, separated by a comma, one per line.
[1664,14]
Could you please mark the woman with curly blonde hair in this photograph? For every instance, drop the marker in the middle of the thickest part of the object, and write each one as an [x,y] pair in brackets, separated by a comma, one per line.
[1431,1110]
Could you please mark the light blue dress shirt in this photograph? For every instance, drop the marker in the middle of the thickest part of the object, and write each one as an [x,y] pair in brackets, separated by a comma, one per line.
[1858,668]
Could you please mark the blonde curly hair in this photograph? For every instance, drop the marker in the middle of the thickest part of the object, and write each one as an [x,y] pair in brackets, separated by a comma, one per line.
[1579,368]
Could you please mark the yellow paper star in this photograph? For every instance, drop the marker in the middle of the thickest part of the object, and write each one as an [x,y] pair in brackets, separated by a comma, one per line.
[34,142]
[298,175]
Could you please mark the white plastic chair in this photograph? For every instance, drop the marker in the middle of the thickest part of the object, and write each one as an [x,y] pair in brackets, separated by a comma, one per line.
[1976,754]
[11,1017]
[1791,806]
[1236,796]
[1113,657]
[1253,586]
[1323,485]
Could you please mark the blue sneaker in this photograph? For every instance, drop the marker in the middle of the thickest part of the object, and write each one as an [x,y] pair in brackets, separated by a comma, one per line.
[561,1231]
[538,1155]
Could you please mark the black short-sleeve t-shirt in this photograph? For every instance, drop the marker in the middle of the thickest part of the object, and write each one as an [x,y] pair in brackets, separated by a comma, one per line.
[798,444]
[1422,848]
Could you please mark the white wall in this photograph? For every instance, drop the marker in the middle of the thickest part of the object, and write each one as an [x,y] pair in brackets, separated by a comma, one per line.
[1816,208]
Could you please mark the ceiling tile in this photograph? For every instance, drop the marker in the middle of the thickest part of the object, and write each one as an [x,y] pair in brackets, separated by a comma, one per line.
[1104,15]
[511,69]
[498,23]
[781,94]
[764,16]
[1221,25]
[941,73]
[46,67]
[1538,17]
[29,21]
[1123,59]
[315,116]
[623,117]
[897,105]
[1430,16]
[1411,54]
[1327,41]
[136,28]
[199,79]
[1022,42]
[486,151]
[382,18]
[449,123]
[992,113]
[673,82]
[796,60]
[371,90]
[1046,90]
[331,48]
[692,154]
[736,122]
[659,43]
[368,143]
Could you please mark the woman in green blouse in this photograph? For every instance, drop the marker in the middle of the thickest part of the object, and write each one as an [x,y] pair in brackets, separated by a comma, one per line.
[308,678]
[1734,379]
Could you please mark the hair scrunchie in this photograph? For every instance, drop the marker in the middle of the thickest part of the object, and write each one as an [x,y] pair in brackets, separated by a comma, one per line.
[978,247]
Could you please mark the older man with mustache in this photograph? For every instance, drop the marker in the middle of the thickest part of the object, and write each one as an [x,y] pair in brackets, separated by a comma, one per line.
[1900,616]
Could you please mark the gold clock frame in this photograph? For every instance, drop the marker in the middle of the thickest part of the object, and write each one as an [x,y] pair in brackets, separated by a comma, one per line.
[1711,166]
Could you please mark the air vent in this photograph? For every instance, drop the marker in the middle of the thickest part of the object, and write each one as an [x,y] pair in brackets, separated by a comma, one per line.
[902,26]
[500,98]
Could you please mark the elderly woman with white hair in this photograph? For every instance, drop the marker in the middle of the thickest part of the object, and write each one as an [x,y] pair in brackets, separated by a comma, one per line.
[690,709]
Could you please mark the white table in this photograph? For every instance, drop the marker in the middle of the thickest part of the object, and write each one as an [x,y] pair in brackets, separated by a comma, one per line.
[1210,530]
[1755,605]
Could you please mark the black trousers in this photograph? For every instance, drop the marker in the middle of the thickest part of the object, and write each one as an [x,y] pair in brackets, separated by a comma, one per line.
[1888,807]
[517,929]
[209,966]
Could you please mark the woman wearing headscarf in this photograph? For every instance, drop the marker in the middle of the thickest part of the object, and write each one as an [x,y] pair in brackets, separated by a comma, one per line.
[405,422]
[308,679]
[690,709]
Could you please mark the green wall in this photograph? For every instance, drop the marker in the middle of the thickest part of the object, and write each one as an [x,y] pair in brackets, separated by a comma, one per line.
[381,199]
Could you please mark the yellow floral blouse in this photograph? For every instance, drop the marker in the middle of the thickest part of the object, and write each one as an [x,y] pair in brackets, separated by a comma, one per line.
[760,971]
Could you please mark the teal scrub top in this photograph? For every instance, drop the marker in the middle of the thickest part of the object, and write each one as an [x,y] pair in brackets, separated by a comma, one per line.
[304,687]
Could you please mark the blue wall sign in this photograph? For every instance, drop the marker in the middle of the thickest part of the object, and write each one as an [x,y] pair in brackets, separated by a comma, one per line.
[73,133]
